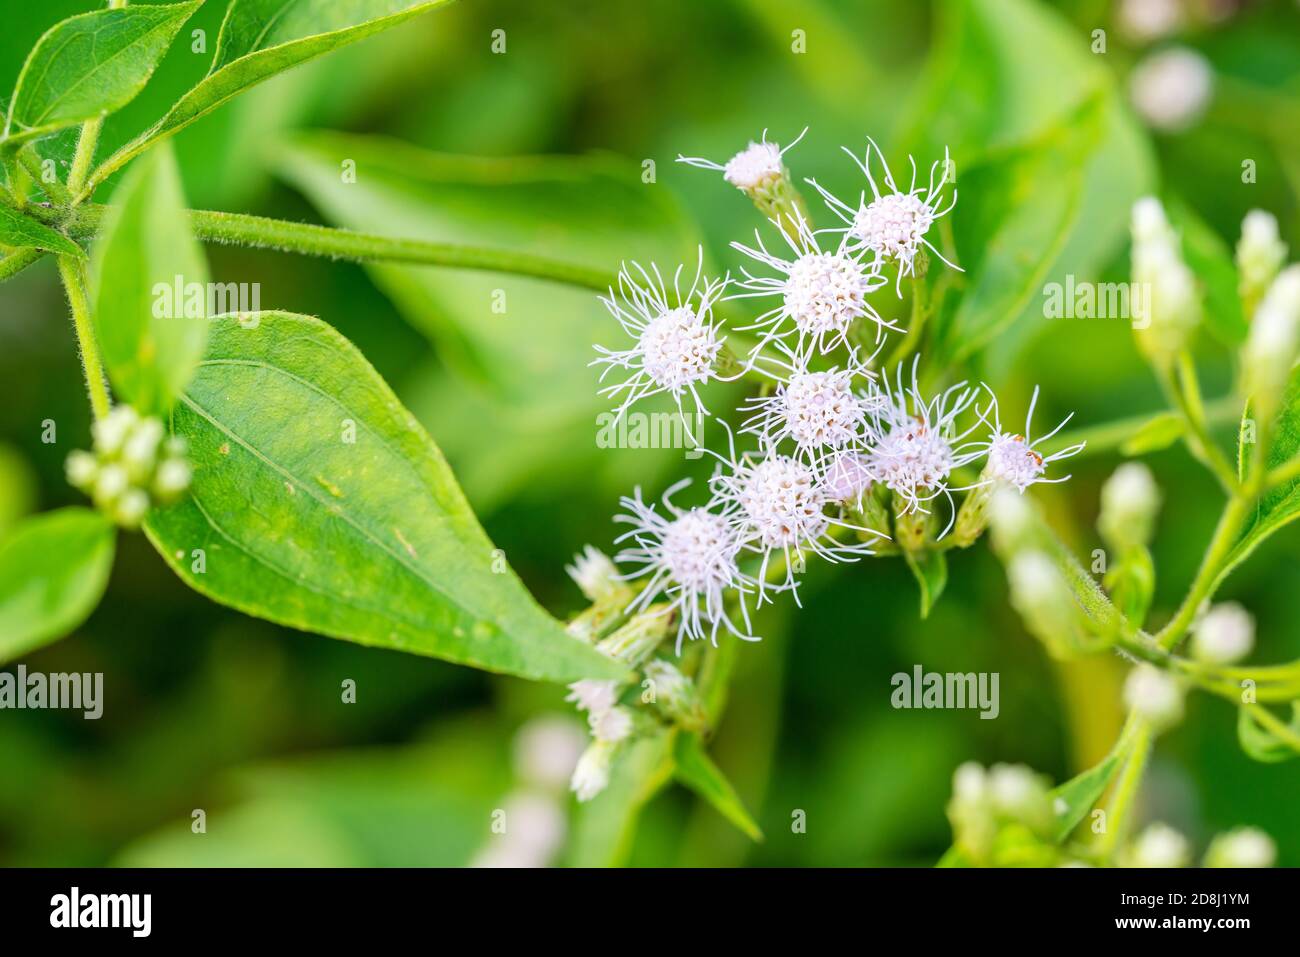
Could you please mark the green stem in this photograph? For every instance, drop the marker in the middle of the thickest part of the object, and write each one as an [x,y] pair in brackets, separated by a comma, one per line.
[85,154]
[1235,513]
[31,161]
[74,283]
[263,233]
[1138,733]
[920,313]
[1112,435]
[1280,729]
[1184,394]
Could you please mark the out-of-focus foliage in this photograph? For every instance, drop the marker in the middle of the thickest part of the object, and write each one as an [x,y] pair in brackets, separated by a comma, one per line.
[206,709]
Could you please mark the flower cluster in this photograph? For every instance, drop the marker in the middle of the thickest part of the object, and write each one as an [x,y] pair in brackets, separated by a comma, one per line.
[133,467]
[834,443]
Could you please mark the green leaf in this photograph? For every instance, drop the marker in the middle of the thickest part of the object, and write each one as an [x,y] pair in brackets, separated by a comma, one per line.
[1131,582]
[1076,797]
[260,38]
[520,367]
[53,570]
[150,287]
[319,503]
[1263,744]
[931,572]
[23,232]
[697,771]
[1279,506]
[90,65]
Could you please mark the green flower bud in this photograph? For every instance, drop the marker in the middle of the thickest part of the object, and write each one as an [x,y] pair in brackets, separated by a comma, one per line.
[1155,696]
[1260,254]
[634,641]
[82,470]
[675,695]
[1158,267]
[1273,344]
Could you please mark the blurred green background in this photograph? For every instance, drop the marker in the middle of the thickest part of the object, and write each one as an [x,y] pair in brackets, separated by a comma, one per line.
[208,709]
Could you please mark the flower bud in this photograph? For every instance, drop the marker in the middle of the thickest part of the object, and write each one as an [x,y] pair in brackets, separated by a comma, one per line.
[1020,795]
[612,725]
[110,432]
[1129,503]
[594,696]
[1158,266]
[1260,254]
[109,485]
[634,641]
[1225,635]
[1274,341]
[1159,846]
[1241,847]
[82,469]
[140,450]
[675,695]
[1171,88]
[130,509]
[591,776]
[597,577]
[171,479]
[1155,696]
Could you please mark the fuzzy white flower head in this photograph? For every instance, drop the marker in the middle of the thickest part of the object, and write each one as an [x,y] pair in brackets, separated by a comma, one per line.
[1154,695]
[691,558]
[893,224]
[822,293]
[1224,635]
[755,167]
[1171,88]
[612,725]
[819,411]
[591,776]
[919,443]
[1241,847]
[594,697]
[846,477]
[677,341]
[1012,458]
[1160,846]
[546,750]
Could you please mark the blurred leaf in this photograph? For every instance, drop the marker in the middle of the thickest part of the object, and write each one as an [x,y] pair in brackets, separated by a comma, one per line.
[17,489]
[606,824]
[151,344]
[90,65]
[1076,797]
[931,572]
[1157,433]
[22,232]
[1264,744]
[697,771]
[1131,583]
[320,504]
[261,38]
[1212,262]
[53,570]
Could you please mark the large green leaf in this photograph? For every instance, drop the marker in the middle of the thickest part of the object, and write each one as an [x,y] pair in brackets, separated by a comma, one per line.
[318,502]
[516,347]
[91,64]
[148,267]
[696,770]
[53,569]
[21,231]
[260,38]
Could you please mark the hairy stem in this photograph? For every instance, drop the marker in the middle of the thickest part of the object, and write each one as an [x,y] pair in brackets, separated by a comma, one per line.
[1234,515]
[31,162]
[1184,394]
[17,261]
[74,282]
[1138,734]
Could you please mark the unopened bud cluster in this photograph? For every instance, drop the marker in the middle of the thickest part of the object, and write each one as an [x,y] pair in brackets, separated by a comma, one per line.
[1001,815]
[1158,266]
[134,466]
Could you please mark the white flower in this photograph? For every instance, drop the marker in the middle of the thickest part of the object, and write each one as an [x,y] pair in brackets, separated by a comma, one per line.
[819,411]
[1154,695]
[690,556]
[847,477]
[893,225]
[919,443]
[677,341]
[1226,634]
[1160,846]
[591,776]
[1241,847]
[546,750]
[612,725]
[1171,88]
[1012,458]
[754,168]
[595,575]
[781,508]
[595,697]
[822,293]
